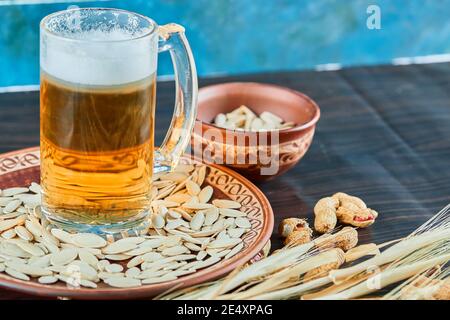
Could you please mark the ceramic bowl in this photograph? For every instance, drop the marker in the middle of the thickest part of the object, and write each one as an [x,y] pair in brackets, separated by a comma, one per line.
[257,155]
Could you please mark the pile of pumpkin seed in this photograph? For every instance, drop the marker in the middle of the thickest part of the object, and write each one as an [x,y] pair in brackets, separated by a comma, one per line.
[188,231]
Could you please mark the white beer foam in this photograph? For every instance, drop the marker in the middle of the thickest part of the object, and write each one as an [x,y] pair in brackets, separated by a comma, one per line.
[99,57]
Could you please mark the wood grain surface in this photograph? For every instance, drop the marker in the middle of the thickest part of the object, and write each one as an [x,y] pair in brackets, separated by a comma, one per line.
[384,135]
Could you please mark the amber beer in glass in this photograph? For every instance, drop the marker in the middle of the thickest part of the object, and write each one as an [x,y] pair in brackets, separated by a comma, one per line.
[98,96]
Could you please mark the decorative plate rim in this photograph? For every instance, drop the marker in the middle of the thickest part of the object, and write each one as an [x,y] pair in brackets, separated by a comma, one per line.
[148,291]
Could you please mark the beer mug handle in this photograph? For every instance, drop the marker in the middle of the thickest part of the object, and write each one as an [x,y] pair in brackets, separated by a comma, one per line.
[172,38]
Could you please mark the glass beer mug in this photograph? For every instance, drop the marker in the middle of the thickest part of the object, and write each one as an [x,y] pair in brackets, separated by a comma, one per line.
[97,109]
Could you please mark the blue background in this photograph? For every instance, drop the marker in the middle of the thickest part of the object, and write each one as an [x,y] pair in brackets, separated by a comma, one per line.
[243,36]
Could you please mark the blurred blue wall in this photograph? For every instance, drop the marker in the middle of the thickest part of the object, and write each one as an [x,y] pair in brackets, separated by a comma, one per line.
[242,36]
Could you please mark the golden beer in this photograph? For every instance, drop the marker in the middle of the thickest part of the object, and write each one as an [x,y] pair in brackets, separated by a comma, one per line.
[96,149]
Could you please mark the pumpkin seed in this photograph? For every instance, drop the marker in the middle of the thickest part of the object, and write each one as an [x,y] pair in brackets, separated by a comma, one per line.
[165,203]
[117,257]
[174,251]
[197,221]
[132,272]
[174,214]
[36,188]
[182,257]
[151,256]
[162,185]
[47,279]
[231,212]
[204,233]
[236,232]
[205,263]
[159,279]
[186,216]
[87,257]
[158,221]
[174,265]
[49,245]
[211,216]
[230,223]
[23,233]
[30,270]
[192,246]
[17,274]
[153,243]
[123,282]
[80,270]
[201,255]
[42,262]
[10,215]
[192,188]
[30,200]
[205,194]
[114,268]
[221,254]
[179,273]
[243,223]
[73,281]
[88,284]
[42,247]
[224,243]
[88,240]
[193,200]
[56,269]
[138,251]
[173,224]
[9,234]
[119,246]
[61,235]
[5,200]
[201,175]
[13,250]
[8,224]
[63,257]
[12,206]
[34,228]
[197,206]
[135,262]
[165,192]
[226,204]
[22,209]
[174,176]
[28,247]
[13,191]
[179,197]
[222,235]
[234,251]
[107,275]
[150,273]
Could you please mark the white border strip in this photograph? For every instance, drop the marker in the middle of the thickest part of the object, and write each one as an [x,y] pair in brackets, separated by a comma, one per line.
[328,67]
[32,2]
[32,87]
[433,58]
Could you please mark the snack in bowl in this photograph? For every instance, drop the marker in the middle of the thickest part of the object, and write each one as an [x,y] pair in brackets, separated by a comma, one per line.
[243,118]
[261,153]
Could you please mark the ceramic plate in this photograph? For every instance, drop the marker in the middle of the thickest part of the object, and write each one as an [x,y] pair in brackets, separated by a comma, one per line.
[20,168]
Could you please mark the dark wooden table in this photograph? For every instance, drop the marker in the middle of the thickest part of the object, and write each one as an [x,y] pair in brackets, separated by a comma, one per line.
[384,135]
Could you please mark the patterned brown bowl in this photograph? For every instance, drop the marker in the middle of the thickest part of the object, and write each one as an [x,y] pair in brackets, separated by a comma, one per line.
[257,155]
[21,167]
